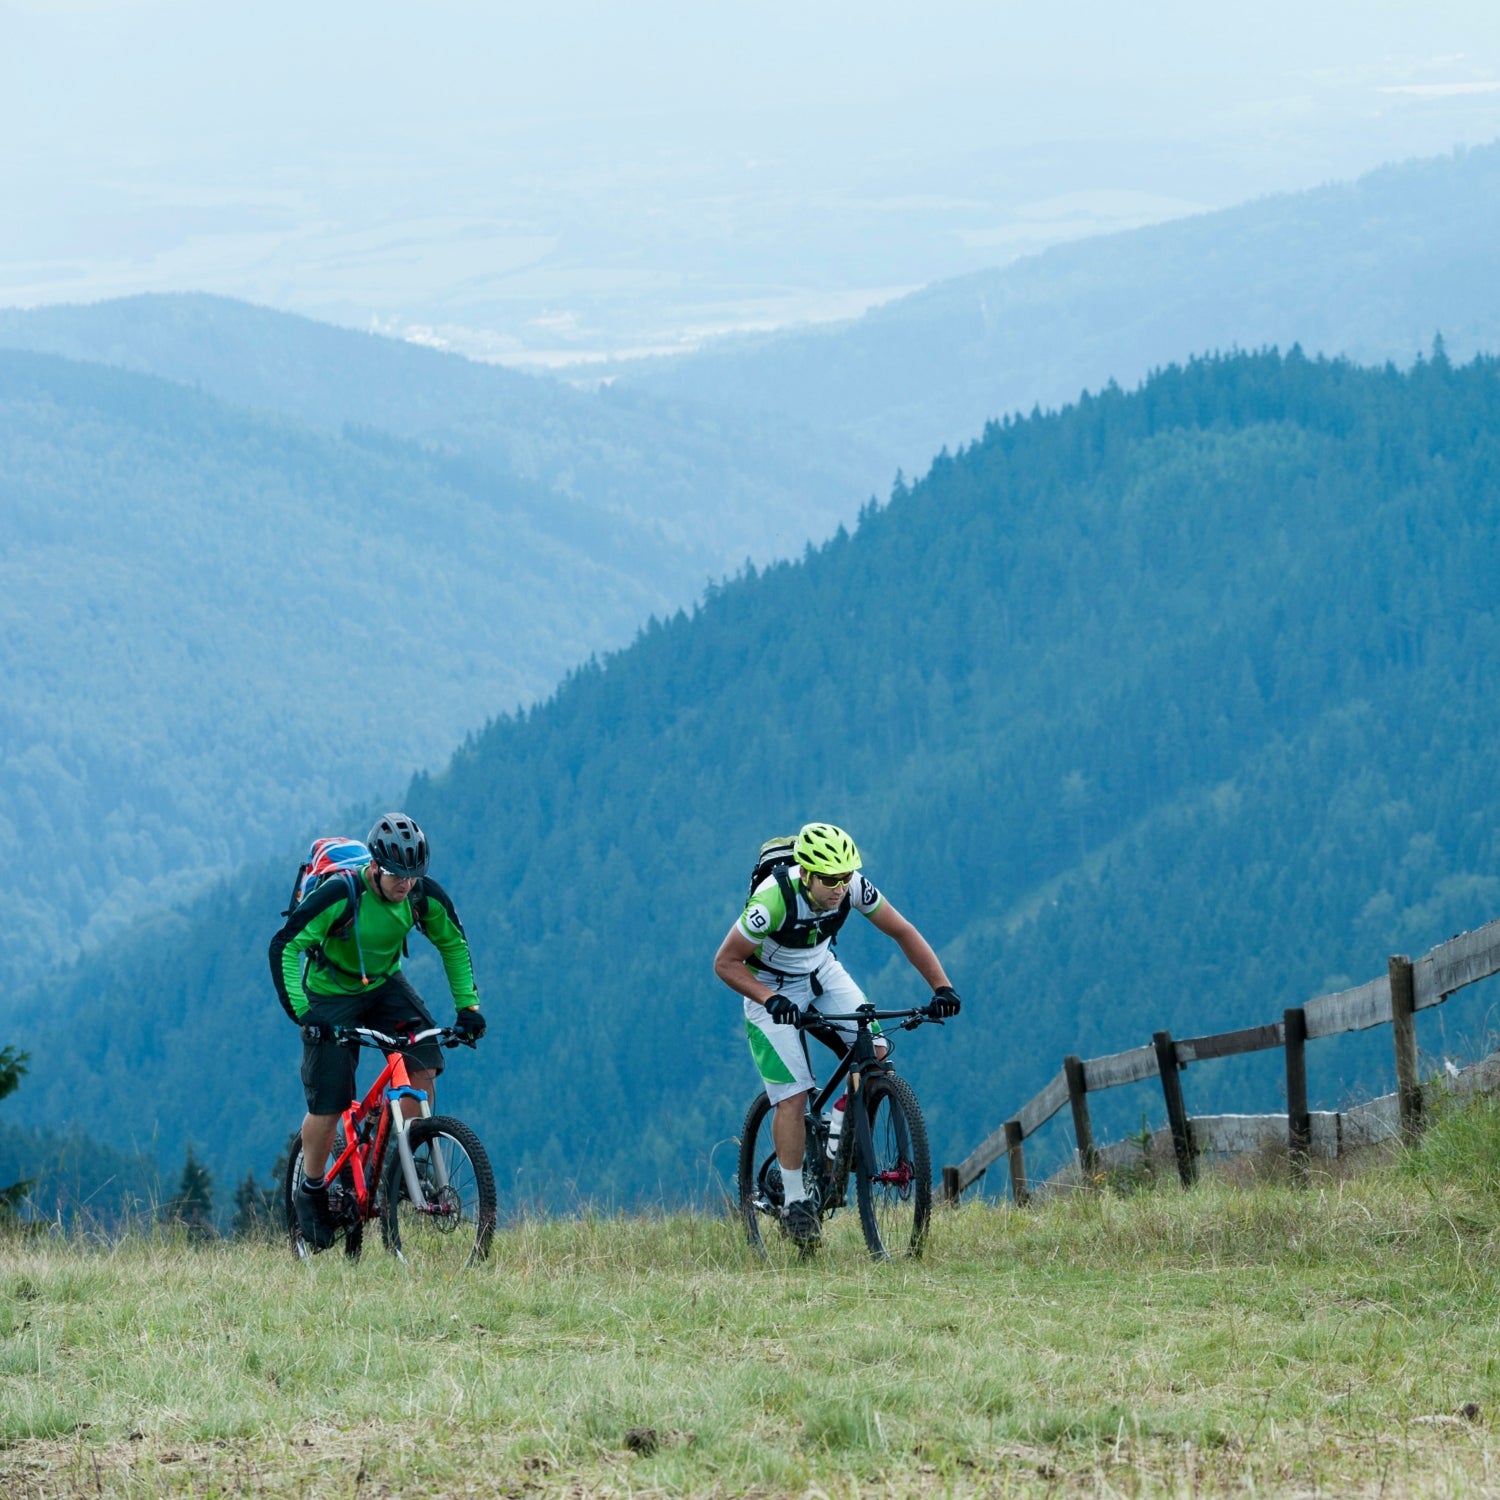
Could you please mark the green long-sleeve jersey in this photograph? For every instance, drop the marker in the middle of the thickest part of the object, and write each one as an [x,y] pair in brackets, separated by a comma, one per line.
[349,963]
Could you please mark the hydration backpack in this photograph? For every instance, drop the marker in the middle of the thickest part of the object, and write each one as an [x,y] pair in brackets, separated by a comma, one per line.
[776,858]
[774,853]
[331,859]
[338,858]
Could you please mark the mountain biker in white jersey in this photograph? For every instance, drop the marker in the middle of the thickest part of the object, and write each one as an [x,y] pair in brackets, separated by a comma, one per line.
[779,956]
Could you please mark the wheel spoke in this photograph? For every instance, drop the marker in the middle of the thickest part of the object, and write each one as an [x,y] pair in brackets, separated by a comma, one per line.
[453,1223]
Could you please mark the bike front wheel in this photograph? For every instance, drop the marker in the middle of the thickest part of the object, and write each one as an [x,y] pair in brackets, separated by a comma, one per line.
[451,1225]
[894,1187]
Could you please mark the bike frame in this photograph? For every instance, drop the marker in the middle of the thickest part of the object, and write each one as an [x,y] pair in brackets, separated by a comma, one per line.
[364,1155]
[861,1059]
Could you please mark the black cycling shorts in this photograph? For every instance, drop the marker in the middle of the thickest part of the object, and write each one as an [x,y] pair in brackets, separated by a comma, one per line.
[393,1007]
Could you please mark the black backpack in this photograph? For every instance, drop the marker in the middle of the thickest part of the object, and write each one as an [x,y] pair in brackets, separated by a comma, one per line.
[776,858]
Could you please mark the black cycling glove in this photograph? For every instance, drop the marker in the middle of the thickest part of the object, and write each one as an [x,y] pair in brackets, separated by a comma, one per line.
[471,1023]
[316,1031]
[945,1003]
[782,1010]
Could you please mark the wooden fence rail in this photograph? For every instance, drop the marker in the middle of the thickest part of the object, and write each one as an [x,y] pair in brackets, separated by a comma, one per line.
[1391,1000]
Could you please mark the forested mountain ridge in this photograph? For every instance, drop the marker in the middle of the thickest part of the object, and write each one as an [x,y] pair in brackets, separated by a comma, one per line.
[1370,269]
[652,485]
[216,623]
[1166,710]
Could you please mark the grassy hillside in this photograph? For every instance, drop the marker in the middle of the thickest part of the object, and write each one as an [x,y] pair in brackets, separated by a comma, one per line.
[1241,1338]
[1370,270]
[1168,710]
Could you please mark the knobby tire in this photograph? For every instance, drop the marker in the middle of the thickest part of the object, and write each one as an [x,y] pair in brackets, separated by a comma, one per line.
[750,1185]
[461,1224]
[896,1203]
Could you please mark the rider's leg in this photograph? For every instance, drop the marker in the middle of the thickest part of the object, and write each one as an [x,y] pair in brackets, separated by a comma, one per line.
[781,1057]
[397,1009]
[840,995]
[327,1083]
[318,1132]
[789,1131]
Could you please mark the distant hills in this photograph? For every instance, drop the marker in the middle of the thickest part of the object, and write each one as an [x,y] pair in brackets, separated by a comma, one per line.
[706,488]
[1372,269]
[1164,711]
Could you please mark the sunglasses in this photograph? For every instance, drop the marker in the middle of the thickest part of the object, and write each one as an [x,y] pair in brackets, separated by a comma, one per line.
[834,881]
[399,879]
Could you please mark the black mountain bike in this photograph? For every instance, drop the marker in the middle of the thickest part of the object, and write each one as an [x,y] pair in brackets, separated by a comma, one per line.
[883,1146]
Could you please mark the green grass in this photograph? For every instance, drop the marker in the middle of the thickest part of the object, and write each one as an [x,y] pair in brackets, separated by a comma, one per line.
[1245,1338]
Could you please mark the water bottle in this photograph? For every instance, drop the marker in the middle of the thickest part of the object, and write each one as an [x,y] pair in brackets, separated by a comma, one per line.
[836,1125]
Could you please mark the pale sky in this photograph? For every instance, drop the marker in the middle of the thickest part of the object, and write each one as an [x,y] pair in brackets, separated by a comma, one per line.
[581,178]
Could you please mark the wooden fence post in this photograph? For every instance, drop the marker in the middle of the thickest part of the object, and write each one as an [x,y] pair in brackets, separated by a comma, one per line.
[951,1189]
[1298,1123]
[1017,1153]
[1083,1129]
[1171,1087]
[1404,1031]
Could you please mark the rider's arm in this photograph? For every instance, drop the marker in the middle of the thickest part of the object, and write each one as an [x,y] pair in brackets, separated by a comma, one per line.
[917,949]
[763,915]
[446,933]
[306,928]
[730,966]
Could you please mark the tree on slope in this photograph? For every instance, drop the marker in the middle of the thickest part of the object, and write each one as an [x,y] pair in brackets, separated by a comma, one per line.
[193,1204]
[12,1070]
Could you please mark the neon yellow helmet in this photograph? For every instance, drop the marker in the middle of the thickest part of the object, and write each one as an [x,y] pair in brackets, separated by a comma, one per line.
[823,849]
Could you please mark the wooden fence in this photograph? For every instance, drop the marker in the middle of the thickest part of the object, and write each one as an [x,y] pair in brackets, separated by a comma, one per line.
[1393,999]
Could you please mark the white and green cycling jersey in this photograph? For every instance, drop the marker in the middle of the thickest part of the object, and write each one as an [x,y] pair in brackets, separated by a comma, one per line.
[791,943]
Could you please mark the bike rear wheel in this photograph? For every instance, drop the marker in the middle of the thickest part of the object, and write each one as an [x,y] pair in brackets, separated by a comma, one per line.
[895,1201]
[342,1203]
[760,1192]
[759,1179]
[451,1227]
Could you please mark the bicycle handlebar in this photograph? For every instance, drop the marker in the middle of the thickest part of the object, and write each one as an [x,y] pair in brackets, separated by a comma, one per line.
[367,1036]
[910,1019]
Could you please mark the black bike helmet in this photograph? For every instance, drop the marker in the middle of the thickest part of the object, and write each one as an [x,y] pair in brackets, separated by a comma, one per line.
[398,846]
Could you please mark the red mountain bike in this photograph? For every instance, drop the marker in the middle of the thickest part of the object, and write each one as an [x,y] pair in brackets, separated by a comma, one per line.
[427,1179]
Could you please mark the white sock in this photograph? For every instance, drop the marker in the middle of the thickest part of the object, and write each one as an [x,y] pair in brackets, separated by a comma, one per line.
[791,1184]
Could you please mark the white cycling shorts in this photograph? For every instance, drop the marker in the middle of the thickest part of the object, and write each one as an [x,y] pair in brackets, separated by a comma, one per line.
[778,1050]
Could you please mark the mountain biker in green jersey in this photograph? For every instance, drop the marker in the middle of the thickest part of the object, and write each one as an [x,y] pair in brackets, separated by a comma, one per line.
[779,956]
[352,977]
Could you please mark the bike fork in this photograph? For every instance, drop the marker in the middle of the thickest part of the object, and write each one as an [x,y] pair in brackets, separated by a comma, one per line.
[403,1145]
[864,1141]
